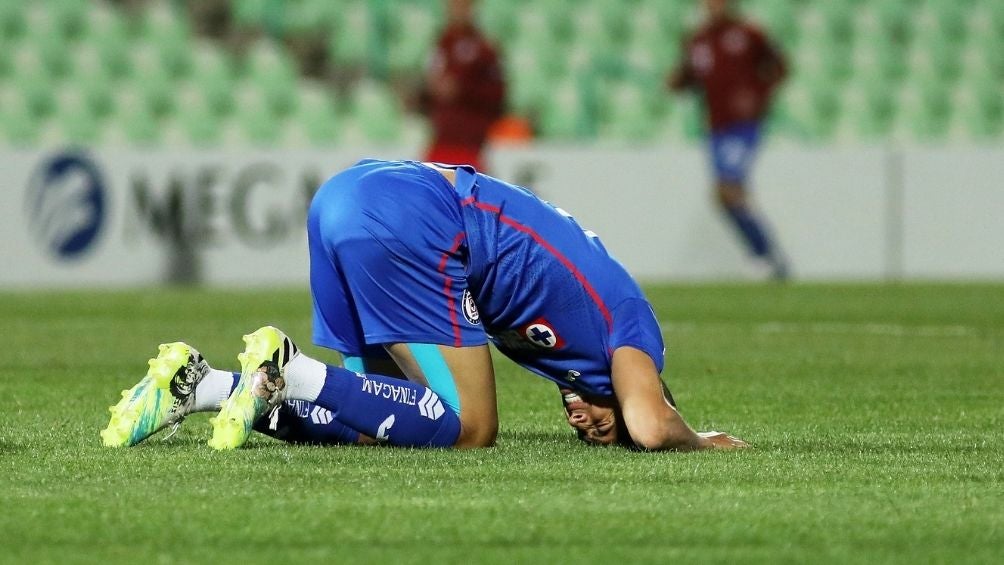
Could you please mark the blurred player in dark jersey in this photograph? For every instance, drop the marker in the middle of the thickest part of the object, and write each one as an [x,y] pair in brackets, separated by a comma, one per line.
[735,68]
[414,269]
[464,90]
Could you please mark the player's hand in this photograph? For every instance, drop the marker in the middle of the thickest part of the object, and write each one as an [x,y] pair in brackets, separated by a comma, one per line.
[721,440]
[444,87]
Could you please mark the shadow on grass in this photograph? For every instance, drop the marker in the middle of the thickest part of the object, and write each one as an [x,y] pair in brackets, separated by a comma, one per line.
[9,447]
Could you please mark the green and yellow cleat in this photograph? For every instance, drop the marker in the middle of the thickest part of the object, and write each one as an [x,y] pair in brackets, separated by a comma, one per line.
[162,398]
[262,387]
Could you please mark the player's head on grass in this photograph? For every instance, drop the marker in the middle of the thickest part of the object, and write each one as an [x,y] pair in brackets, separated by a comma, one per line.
[596,419]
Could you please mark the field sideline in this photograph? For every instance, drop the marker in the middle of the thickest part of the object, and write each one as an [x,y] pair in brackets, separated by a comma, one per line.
[876,412]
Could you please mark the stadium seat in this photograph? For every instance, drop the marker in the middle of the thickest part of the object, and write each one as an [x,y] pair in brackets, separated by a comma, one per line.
[201,125]
[18,126]
[376,111]
[309,17]
[12,20]
[36,90]
[778,18]
[937,53]
[75,120]
[498,19]
[52,50]
[155,88]
[352,42]
[632,113]
[214,71]
[138,124]
[108,33]
[69,17]
[412,37]
[317,117]
[894,18]
[257,124]
[565,114]
[272,72]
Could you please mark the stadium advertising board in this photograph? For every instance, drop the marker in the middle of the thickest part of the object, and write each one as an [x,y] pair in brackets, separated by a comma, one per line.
[129,217]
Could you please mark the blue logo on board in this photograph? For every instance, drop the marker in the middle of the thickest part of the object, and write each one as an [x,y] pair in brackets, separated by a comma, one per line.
[66,204]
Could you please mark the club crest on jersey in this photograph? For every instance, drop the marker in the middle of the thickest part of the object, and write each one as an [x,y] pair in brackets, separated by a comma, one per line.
[470,308]
[541,334]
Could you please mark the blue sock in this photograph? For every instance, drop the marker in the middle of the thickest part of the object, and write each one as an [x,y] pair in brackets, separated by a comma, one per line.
[751,230]
[399,412]
[299,421]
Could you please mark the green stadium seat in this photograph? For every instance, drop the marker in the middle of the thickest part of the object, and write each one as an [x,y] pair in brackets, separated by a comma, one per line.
[259,127]
[36,90]
[274,73]
[138,124]
[938,53]
[156,89]
[97,90]
[201,125]
[778,18]
[18,126]
[565,114]
[411,38]
[12,19]
[684,121]
[870,106]
[498,19]
[376,111]
[69,17]
[950,17]
[895,19]
[926,111]
[317,118]
[673,17]
[310,17]
[352,42]
[52,50]
[838,20]
[529,87]
[77,123]
[265,14]
[650,40]
[109,35]
[615,17]
[632,113]
[835,60]
[214,71]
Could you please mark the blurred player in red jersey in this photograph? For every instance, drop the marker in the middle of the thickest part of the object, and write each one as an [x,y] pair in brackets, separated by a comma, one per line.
[736,69]
[464,89]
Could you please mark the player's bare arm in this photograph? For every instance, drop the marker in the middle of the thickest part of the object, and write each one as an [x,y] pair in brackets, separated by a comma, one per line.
[651,421]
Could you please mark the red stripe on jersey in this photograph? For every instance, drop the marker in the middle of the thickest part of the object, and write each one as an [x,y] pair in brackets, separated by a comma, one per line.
[450,302]
[470,201]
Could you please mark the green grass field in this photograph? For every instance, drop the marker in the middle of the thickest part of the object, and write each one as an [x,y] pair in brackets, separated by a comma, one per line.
[876,414]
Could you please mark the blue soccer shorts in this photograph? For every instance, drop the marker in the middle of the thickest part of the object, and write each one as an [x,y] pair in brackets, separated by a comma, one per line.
[386,261]
[733,150]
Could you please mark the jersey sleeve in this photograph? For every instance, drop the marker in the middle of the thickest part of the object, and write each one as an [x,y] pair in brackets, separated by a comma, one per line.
[635,325]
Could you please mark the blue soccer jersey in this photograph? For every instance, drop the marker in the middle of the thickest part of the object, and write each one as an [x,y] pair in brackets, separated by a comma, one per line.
[399,255]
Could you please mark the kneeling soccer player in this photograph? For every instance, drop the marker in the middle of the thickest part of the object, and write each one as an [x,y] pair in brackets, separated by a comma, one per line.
[414,268]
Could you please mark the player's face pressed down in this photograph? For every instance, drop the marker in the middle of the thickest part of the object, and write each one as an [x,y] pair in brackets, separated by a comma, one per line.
[594,419]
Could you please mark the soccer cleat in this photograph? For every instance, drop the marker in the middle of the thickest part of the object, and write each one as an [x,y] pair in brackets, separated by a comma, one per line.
[261,388]
[162,398]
